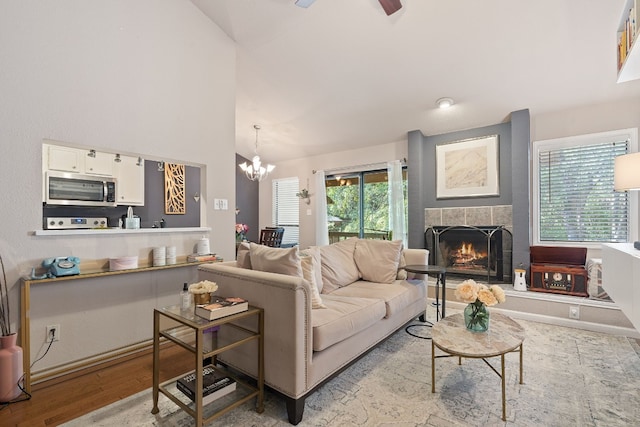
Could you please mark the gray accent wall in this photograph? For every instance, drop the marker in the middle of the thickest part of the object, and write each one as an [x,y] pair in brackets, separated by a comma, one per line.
[247,201]
[514,142]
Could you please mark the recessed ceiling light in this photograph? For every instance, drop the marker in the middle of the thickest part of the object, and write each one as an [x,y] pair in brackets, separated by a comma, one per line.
[444,102]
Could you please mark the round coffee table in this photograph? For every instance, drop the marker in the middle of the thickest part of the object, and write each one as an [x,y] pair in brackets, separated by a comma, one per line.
[451,336]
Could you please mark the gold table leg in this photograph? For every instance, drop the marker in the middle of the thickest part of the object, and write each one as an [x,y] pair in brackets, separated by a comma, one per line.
[433,367]
[504,398]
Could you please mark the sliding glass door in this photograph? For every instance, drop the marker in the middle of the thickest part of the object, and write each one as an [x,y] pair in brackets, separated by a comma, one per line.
[358,205]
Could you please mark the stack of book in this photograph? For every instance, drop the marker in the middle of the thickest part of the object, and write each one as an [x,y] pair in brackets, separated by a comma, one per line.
[221,306]
[203,258]
[214,385]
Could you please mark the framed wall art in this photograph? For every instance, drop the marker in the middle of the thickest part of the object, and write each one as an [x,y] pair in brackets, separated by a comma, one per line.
[468,168]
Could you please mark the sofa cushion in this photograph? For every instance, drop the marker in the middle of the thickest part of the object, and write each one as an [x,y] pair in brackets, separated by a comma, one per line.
[343,318]
[243,258]
[338,267]
[397,295]
[314,252]
[276,260]
[309,266]
[378,260]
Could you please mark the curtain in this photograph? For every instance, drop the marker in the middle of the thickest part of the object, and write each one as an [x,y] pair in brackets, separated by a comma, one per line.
[396,201]
[322,222]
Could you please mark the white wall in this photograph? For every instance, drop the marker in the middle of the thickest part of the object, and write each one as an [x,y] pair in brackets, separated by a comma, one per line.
[153,77]
[303,169]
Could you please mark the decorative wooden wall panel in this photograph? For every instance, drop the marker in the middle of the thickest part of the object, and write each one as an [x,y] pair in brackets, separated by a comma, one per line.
[174,189]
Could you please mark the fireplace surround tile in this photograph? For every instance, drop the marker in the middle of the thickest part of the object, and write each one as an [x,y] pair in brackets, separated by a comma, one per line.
[478,216]
[452,216]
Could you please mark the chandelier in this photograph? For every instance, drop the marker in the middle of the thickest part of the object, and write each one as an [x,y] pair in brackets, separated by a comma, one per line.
[255,171]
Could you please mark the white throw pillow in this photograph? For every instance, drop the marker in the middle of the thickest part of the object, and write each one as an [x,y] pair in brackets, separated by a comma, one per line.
[314,252]
[309,267]
[276,260]
[378,260]
[338,267]
[243,257]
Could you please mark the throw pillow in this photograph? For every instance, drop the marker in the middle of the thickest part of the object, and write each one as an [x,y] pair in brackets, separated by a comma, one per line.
[402,273]
[338,267]
[243,257]
[314,252]
[378,260]
[276,260]
[308,272]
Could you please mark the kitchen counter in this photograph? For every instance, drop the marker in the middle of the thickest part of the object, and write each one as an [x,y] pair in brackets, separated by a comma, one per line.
[110,231]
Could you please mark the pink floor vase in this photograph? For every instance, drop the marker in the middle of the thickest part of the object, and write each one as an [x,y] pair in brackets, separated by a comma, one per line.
[10,368]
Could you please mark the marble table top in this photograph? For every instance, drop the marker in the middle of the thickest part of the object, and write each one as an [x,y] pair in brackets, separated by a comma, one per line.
[451,335]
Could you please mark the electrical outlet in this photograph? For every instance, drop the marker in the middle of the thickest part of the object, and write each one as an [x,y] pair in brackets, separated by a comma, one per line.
[574,312]
[53,333]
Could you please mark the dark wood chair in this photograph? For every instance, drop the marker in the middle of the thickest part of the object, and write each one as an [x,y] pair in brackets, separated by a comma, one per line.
[271,236]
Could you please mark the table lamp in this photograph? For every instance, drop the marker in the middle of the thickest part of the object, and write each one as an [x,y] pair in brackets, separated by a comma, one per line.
[626,176]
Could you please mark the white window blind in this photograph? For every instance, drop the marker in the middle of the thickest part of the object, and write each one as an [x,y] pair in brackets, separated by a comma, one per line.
[286,208]
[577,202]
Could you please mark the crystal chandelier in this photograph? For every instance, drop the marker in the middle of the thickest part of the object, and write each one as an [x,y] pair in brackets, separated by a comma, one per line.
[255,171]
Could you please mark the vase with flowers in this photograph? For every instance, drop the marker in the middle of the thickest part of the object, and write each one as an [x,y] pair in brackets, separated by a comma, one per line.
[11,372]
[202,291]
[241,232]
[478,297]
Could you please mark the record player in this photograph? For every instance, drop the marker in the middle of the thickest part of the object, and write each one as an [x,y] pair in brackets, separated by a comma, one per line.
[559,270]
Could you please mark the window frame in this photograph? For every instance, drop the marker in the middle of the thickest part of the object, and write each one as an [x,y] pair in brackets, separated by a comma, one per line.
[295,184]
[631,134]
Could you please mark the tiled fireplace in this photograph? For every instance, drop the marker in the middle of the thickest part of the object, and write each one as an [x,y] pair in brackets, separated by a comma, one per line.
[474,242]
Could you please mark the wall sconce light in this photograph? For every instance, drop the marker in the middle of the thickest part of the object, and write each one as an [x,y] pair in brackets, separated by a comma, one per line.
[139,163]
[117,159]
[160,166]
[196,197]
[91,153]
[304,195]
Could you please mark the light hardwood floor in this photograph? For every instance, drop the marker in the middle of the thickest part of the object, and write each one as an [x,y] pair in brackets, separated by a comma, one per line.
[63,399]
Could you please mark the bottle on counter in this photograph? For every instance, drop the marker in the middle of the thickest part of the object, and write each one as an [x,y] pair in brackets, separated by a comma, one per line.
[185,298]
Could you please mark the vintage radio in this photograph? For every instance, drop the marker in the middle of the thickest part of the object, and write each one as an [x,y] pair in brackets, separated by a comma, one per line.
[559,270]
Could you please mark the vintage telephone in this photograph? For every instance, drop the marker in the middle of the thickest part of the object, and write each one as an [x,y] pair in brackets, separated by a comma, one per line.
[60,266]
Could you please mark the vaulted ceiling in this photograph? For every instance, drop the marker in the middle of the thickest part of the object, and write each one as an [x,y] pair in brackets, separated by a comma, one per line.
[342,74]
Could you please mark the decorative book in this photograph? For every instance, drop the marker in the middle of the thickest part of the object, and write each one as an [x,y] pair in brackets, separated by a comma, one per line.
[214,385]
[221,307]
[202,258]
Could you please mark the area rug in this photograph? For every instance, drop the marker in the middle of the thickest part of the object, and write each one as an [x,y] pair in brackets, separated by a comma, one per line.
[571,378]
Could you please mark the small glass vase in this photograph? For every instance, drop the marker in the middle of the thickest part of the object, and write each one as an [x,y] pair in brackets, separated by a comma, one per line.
[476,317]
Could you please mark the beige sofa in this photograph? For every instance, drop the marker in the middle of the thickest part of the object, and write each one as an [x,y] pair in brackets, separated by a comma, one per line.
[321,311]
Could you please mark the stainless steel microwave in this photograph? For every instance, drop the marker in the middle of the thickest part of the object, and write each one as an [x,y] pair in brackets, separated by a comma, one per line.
[63,188]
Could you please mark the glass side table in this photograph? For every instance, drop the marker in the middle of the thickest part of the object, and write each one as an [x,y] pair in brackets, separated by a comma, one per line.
[200,337]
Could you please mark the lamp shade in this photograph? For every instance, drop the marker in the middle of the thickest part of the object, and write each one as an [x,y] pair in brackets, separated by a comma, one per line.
[626,172]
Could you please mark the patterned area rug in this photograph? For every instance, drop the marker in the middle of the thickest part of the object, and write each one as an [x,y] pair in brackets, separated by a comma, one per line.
[571,378]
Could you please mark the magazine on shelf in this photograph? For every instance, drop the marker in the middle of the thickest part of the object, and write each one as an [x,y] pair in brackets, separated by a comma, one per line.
[221,307]
[214,385]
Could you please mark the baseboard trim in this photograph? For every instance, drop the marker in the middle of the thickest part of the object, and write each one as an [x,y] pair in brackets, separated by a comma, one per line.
[552,320]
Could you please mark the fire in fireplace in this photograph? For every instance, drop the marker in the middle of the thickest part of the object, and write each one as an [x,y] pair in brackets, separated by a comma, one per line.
[471,250]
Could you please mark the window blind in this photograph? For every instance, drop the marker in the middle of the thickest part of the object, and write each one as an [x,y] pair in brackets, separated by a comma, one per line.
[286,208]
[577,202]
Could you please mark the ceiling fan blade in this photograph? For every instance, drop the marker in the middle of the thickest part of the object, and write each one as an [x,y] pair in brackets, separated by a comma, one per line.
[304,3]
[390,6]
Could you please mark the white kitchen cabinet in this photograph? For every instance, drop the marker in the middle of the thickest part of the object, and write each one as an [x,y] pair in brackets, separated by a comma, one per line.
[97,163]
[130,185]
[65,159]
